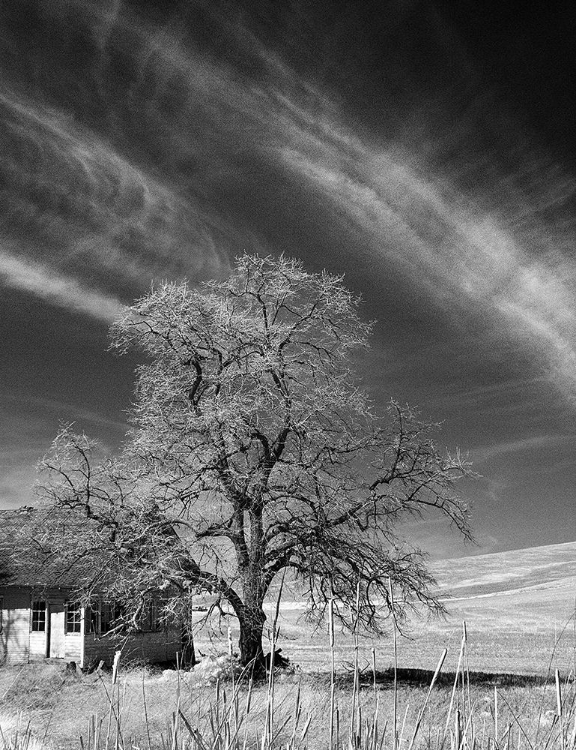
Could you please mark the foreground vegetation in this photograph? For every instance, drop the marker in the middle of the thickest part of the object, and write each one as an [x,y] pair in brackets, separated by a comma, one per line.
[508,686]
[45,705]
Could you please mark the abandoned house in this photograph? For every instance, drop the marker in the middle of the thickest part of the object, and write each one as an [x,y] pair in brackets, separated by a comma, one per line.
[40,619]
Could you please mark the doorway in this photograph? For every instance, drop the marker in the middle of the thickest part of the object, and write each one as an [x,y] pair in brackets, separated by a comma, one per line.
[56,643]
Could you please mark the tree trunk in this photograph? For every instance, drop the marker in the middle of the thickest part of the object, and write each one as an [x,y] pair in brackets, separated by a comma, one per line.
[187,637]
[188,650]
[252,621]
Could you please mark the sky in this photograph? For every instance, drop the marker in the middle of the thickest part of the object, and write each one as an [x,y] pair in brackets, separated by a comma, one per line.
[424,149]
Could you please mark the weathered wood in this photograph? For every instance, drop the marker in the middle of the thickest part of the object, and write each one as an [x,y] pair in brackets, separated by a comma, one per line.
[19,644]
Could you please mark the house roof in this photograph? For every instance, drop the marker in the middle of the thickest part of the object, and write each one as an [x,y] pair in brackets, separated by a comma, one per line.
[32,544]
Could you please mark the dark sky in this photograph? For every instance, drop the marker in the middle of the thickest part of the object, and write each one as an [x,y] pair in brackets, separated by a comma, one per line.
[426,150]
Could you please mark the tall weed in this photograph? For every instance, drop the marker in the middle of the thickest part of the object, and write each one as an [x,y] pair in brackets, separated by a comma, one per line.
[362,709]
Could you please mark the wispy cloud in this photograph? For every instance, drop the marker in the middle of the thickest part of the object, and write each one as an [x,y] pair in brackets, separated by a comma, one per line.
[30,424]
[458,253]
[435,537]
[67,411]
[17,486]
[493,250]
[76,203]
[534,442]
[44,282]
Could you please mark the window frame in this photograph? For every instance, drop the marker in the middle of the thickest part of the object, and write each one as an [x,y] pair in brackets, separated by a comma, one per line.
[151,620]
[102,617]
[72,618]
[38,616]
[112,612]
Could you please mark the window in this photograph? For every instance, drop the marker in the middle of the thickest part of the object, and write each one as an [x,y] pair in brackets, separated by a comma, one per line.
[73,617]
[151,620]
[91,618]
[155,616]
[110,613]
[38,617]
[102,617]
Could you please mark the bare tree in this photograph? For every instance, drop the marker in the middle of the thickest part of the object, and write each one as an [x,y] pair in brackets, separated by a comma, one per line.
[253,451]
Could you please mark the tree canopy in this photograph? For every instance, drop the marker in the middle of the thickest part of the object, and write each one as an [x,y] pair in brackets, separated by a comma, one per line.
[254,451]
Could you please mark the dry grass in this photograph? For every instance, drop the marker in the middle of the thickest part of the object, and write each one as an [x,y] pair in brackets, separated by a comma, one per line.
[358,709]
[479,700]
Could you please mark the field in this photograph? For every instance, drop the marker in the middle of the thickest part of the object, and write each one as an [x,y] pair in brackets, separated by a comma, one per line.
[518,607]
[514,687]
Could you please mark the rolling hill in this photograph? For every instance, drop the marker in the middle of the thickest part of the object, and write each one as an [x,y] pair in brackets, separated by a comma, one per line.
[529,589]
[534,569]
[518,608]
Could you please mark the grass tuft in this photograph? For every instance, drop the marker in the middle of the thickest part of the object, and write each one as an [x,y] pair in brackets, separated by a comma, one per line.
[361,708]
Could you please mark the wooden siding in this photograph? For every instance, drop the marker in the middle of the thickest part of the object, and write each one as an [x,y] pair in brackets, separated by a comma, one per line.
[19,645]
[38,645]
[157,647]
[55,614]
[15,635]
[73,648]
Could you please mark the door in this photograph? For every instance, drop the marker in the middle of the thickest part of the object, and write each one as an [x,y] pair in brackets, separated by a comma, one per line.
[56,630]
[39,625]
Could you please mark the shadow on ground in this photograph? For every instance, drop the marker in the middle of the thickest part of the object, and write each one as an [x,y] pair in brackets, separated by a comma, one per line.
[423,677]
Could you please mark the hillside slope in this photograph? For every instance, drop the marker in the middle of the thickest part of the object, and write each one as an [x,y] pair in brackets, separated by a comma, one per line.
[528,570]
[518,607]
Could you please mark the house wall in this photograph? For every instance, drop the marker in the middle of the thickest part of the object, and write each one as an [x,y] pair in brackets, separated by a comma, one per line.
[73,650]
[38,647]
[54,642]
[19,645]
[153,647]
[55,632]
[15,634]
